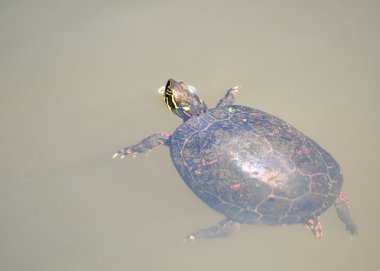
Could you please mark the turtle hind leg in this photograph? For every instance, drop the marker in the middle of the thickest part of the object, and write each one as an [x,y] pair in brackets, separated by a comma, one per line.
[225,228]
[315,226]
[343,212]
[145,146]
[229,99]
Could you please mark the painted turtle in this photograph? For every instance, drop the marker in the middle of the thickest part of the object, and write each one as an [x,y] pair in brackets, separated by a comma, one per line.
[248,165]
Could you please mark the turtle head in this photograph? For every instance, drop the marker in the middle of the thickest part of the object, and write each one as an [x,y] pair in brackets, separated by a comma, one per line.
[181,99]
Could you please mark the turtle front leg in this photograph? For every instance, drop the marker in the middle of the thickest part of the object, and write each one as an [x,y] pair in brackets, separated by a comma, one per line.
[229,99]
[146,145]
[343,212]
[225,228]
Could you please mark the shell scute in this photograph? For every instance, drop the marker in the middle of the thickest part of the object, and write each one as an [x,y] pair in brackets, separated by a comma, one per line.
[308,161]
[320,183]
[221,114]
[307,204]
[294,186]
[197,124]
[273,205]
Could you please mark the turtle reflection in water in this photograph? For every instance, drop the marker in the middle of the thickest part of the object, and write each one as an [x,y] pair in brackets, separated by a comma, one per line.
[248,165]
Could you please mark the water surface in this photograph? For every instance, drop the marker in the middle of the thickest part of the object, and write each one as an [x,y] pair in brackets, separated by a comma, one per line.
[79,81]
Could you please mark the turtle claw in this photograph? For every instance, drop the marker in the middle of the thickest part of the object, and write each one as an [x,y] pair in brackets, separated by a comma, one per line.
[235,89]
[123,153]
[314,225]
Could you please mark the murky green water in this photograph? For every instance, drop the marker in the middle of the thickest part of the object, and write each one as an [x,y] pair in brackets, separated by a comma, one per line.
[79,80]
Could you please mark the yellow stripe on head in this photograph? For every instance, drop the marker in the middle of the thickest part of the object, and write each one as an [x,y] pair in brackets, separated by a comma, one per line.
[173,101]
[169,99]
[167,102]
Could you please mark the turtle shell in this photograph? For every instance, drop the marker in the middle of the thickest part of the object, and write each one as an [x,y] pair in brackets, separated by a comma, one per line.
[254,167]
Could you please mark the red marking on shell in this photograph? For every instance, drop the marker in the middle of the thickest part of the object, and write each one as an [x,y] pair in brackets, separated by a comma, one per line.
[276,131]
[210,162]
[235,186]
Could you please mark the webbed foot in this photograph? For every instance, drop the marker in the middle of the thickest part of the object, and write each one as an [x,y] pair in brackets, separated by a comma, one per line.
[225,228]
[229,99]
[314,225]
[145,146]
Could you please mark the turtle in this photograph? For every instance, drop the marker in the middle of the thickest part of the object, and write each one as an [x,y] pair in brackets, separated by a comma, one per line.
[248,165]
